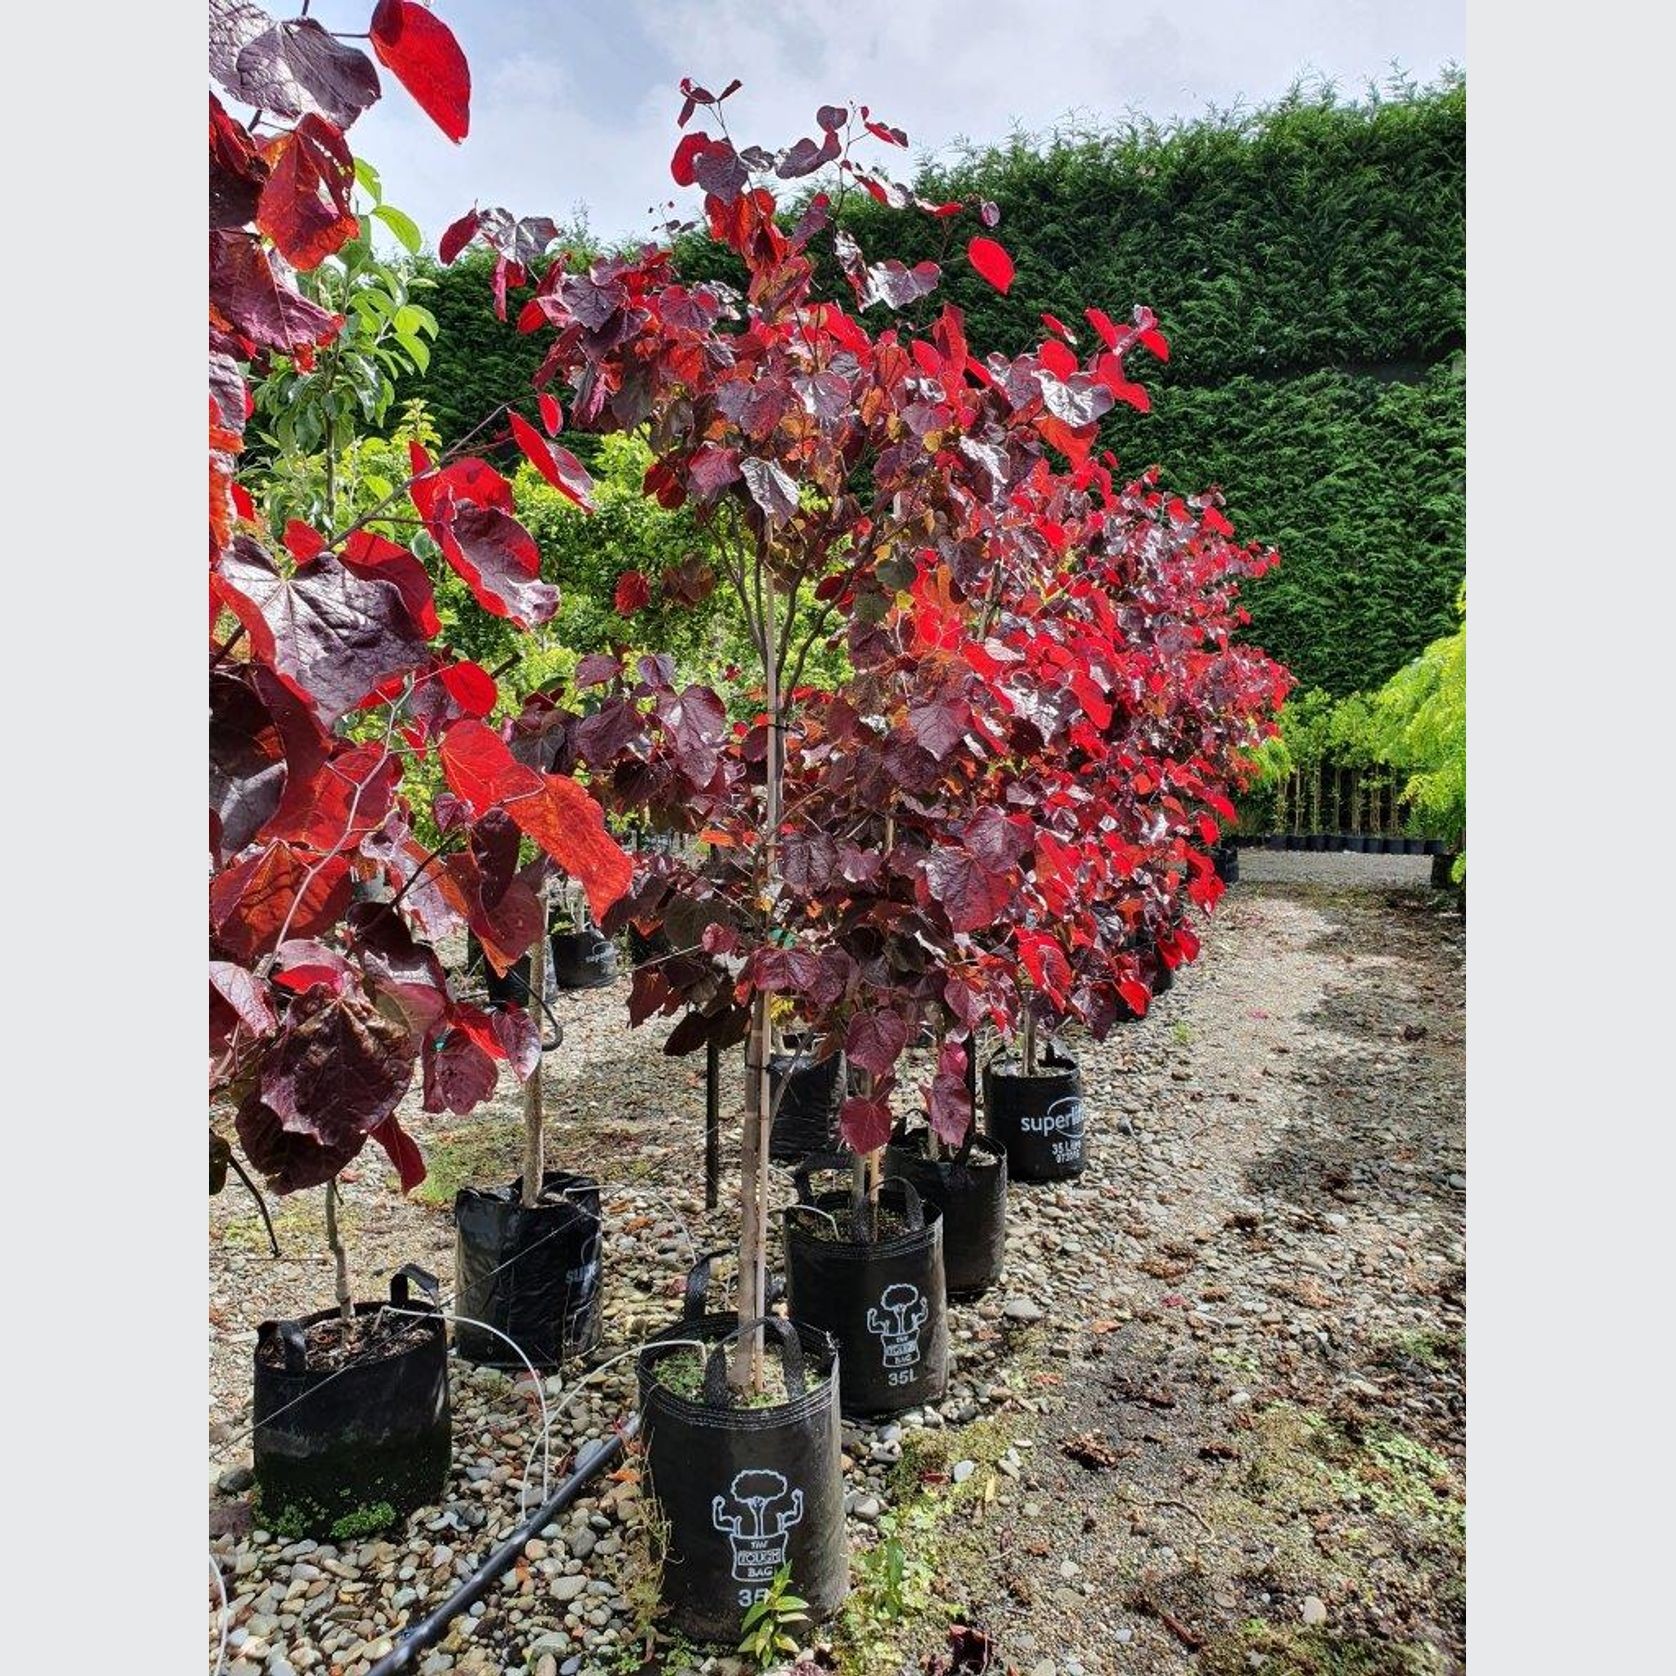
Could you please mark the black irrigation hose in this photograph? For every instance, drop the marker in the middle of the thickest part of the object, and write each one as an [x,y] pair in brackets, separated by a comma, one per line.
[430,1630]
[558,1029]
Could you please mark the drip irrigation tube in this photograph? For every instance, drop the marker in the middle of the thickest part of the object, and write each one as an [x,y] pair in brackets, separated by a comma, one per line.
[430,1630]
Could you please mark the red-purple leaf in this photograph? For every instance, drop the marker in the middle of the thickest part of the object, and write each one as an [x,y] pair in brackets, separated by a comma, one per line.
[992,262]
[633,593]
[459,1075]
[458,235]
[771,488]
[864,1125]
[246,294]
[552,415]
[339,1067]
[304,207]
[276,889]
[550,808]
[875,1040]
[499,561]
[403,1151]
[419,49]
[290,1162]
[558,465]
[970,893]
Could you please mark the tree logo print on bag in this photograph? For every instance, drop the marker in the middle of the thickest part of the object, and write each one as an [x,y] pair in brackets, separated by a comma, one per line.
[896,1324]
[757,1536]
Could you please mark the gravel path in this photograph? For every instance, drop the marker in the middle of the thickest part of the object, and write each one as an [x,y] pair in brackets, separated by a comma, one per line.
[1212,1417]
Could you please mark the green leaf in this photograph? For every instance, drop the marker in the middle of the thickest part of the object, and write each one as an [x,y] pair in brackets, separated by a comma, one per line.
[403,226]
[367,176]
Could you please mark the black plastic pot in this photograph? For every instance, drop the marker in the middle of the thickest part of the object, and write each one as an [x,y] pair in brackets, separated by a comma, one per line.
[531,1272]
[744,1491]
[885,1301]
[971,1192]
[1294,841]
[584,959]
[1225,857]
[1039,1120]
[341,1452]
[1432,846]
[1443,868]
[512,990]
[806,1114]
[1275,841]
[1356,843]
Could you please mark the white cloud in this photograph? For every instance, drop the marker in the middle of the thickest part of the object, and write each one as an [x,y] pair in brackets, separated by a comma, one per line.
[577,104]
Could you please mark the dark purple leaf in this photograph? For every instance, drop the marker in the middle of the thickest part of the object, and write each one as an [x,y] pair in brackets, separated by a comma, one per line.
[864,1125]
[340,1068]
[970,893]
[875,1040]
[807,156]
[330,634]
[771,488]
[290,1162]
[297,69]
[245,290]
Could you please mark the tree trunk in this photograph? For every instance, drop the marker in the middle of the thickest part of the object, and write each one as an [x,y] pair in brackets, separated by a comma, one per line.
[1029,1040]
[533,1158]
[346,1305]
[712,1125]
[746,1372]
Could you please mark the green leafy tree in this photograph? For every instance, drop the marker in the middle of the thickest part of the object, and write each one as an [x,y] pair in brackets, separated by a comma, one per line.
[1419,728]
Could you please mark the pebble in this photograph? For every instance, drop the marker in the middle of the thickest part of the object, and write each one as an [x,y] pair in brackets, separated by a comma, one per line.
[566,1589]
[235,1480]
[1312,1610]
[962,1469]
[868,1509]
[1021,1309]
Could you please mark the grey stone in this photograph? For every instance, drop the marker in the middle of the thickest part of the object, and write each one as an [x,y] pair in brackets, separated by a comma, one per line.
[235,1480]
[567,1589]
[1021,1309]
[1312,1611]
[964,1470]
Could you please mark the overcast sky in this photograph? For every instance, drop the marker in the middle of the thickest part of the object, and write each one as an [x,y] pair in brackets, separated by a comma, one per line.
[574,104]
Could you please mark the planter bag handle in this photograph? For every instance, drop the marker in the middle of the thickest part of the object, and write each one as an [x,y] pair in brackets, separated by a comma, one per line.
[791,1359]
[912,1205]
[817,1163]
[293,1345]
[698,1285]
[426,1281]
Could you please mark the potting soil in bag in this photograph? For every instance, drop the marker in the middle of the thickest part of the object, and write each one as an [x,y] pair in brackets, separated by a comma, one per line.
[530,1271]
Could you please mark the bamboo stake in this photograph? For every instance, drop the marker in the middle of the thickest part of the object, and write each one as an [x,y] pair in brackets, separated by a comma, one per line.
[534,1160]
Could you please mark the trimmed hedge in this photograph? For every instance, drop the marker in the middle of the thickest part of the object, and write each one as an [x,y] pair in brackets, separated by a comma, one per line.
[1307,263]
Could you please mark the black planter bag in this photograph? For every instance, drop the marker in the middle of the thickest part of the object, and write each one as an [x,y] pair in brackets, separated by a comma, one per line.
[584,959]
[884,1301]
[1226,859]
[530,1271]
[336,1445]
[971,1192]
[1039,1120]
[513,990]
[806,1115]
[745,1490]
